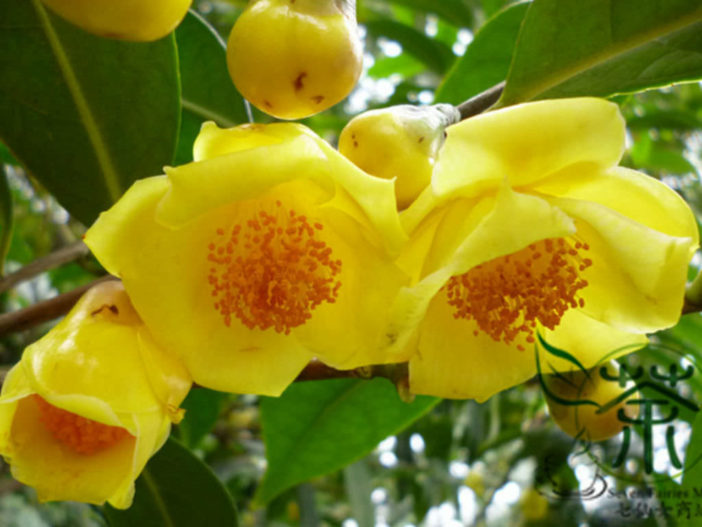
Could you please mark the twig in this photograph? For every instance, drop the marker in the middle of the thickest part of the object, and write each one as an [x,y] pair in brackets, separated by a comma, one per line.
[57,258]
[45,310]
[481,102]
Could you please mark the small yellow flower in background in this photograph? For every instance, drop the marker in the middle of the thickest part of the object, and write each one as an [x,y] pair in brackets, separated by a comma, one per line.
[582,403]
[295,59]
[529,224]
[400,142]
[135,20]
[90,403]
[269,249]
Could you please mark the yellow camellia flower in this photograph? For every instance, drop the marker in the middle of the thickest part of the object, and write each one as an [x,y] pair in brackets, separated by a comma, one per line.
[135,20]
[529,224]
[90,403]
[400,143]
[295,59]
[269,249]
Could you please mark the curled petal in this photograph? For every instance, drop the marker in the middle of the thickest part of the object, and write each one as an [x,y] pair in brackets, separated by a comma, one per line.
[527,143]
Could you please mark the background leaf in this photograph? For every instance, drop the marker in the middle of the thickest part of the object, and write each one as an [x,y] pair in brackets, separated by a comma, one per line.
[101,114]
[487,58]
[317,427]
[202,408]
[208,91]
[176,490]
[609,47]
[5,218]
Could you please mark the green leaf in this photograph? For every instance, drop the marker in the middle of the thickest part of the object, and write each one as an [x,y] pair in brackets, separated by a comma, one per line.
[568,48]
[455,11]
[692,475]
[176,489]
[486,60]
[652,155]
[208,91]
[318,427]
[434,54]
[202,408]
[86,115]
[5,218]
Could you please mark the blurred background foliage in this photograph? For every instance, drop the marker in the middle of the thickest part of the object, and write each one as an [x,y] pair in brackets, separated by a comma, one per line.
[499,463]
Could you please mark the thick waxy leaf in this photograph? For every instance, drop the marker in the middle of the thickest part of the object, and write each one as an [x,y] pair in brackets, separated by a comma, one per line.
[208,91]
[86,115]
[455,11]
[434,54]
[318,427]
[202,408]
[5,218]
[486,60]
[568,48]
[176,490]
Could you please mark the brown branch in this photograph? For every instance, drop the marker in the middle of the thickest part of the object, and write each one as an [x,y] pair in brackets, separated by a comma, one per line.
[45,310]
[481,102]
[60,257]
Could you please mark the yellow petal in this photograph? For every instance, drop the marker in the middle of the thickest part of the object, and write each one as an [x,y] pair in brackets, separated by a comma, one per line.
[84,368]
[213,141]
[630,193]
[199,187]
[244,162]
[637,279]
[527,143]
[59,473]
[451,361]
[588,340]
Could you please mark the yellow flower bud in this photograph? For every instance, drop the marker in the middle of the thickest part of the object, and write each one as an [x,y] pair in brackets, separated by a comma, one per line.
[135,20]
[400,142]
[90,403]
[294,59]
[566,393]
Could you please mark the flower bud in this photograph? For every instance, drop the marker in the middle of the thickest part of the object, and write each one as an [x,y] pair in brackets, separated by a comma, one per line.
[587,406]
[90,403]
[294,59]
[399,142]
[135,20]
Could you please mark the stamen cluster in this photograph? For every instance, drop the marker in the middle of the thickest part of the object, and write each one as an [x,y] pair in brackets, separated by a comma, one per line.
[272,270]
[81,435]
[507,296]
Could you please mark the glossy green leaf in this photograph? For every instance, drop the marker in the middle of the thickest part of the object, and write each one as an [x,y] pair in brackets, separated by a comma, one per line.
[487,58]
[568,48]
[455,11]
[315,428]
[176,490]
[208,91]
[202,408]
[692,475]
[5,218]
[435,55]
[648,154]
[86,115]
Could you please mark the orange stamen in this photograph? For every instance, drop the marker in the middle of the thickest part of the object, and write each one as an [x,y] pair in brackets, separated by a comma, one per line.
[80,434]
[507,296]
[272,270]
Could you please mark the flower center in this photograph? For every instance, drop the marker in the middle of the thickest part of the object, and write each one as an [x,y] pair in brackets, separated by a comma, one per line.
[272,270]
[508,295]
[81,435]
